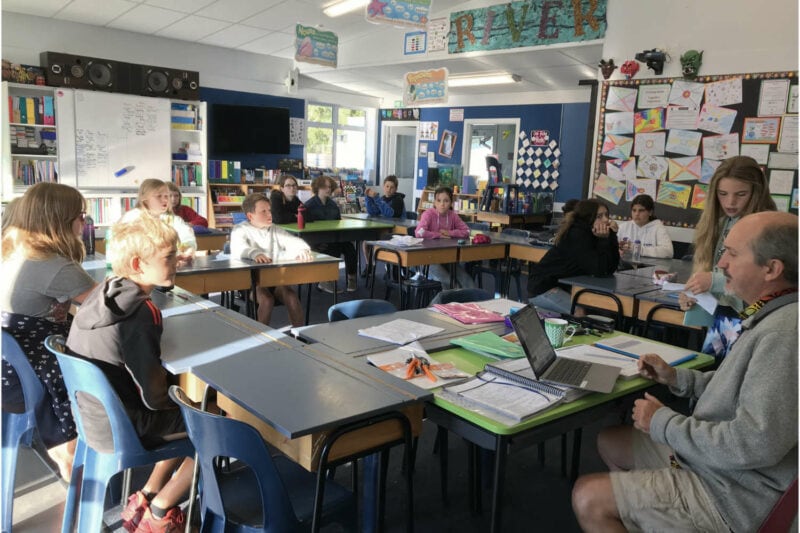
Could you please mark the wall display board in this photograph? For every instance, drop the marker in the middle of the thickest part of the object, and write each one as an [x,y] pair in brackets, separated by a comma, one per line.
[665,137]
[120,140]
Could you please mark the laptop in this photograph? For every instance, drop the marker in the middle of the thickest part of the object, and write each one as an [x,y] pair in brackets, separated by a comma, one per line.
[559,370]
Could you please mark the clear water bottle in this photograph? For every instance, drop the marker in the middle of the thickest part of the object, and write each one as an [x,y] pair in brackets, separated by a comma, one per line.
[88,235]
[636,252]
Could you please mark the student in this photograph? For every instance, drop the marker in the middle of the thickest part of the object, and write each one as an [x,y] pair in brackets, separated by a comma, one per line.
[646,228]
[392,203]
[441,222]
[153,199]
[186,213]
[724,467]
[119,328]
[586,243]
[284,202]
[260,241]
[42,273]
[321,207]
[737,188]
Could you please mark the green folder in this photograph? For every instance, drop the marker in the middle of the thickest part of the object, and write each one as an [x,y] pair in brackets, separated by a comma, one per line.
[491,344]
[697,316]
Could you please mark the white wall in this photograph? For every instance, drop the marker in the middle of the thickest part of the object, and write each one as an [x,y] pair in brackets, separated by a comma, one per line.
[24,37]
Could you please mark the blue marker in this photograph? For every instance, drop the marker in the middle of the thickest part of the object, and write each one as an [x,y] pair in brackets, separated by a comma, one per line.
[121,172]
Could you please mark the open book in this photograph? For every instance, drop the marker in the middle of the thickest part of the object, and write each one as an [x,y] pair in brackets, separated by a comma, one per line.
[635,347]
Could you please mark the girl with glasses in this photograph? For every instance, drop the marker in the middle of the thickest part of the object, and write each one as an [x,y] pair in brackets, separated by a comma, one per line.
[284,201]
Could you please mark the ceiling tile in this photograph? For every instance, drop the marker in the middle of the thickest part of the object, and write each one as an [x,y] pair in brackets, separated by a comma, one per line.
[269,43]
[95,13]
[234,10]
[145,19]
[193,28]
[234,36]
[286,14]
[40,8]
[184,6]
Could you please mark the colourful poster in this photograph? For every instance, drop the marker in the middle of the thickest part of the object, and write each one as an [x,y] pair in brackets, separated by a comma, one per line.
[685,168]
[635,187]
[699,196]
[316,46]
[609,189]
[425,87]
[617,146]
[674,194]
[621,169]
[524,23]
[648,120]
[409,13]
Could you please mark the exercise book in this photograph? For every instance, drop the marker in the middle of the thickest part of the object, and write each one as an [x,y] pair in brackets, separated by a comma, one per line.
[635,347]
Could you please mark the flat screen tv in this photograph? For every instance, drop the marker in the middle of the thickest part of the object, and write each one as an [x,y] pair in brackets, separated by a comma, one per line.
[244,129]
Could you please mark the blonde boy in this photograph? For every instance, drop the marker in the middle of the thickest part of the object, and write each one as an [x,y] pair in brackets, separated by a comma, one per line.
[120,327]
[260,241]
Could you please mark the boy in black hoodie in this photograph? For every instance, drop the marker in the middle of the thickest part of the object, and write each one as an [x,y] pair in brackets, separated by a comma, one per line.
[119,328]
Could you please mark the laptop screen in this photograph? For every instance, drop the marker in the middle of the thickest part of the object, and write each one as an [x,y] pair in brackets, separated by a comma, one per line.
[534,341]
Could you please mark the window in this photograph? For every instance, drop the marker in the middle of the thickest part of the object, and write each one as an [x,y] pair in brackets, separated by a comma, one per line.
[336,137]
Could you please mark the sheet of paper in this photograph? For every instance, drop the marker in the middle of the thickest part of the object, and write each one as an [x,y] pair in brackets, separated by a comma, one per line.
[788,139]
[781,160]
[708,169]
[791,106]
[705,300]
[635,187]
[653,95]
[772,97]
[648,120]
[650,143]
[394,362]
[782,202]
[684,142]
[621,169]
[759,152]
[724,92]
[609,189]
[716,119]
[699,195]
[621,98]
[652,166]
[685,168]
[592,354]
[619,123]
[674,194]
[670,286]
[686,94]
[721,147]
[780,181]
[400,331]
[617,146]
[680,117]
[502,306]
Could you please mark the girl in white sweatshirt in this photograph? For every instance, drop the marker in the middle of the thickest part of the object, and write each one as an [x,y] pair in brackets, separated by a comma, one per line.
[646,228]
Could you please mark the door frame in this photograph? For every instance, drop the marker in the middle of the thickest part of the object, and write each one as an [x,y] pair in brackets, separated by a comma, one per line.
[389,149]
[470,122]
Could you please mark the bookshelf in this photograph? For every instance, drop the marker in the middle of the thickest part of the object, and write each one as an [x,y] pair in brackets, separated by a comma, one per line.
[466,205]
[221,213]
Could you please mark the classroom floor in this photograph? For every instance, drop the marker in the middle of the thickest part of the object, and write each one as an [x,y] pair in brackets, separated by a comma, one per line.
[536,496]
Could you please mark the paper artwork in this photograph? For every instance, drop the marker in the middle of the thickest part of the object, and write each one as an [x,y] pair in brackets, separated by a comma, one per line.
[699,194]
[682,118]
[650,143]
[793,205]
[686,94]
[653,167]
[674,194]
[716,119]
[635,187]
[759,152]
[648,120]
[761,130]
[781,202]
[721,147]
[724,92]
[621,169]
[617,146]
[684,142]
[609,189]
[685,168]
[619,123]
[653,96]
[428,131]
[772,97]
[425,87]
[791,106]
[707,170]
[789,129]
[779,160]
[780,181]
[620,98]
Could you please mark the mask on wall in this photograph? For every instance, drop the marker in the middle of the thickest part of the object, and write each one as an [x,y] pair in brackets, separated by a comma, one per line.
[629,68]
[607,68]
[690,63]
[654,59]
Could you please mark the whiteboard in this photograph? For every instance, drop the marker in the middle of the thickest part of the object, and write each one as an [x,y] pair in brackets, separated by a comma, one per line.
[118,131]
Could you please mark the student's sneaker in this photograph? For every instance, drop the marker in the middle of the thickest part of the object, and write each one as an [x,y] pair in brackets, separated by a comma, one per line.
[326,286]
[133,512]
[352,283]
[173,522]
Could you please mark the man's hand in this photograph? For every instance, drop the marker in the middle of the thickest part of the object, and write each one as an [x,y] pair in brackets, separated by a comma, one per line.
[651,366]
[305,256]
[262,258]
[699,282]
[643,410]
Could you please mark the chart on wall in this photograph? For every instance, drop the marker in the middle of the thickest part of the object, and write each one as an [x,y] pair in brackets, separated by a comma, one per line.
[120,140]
[665,137]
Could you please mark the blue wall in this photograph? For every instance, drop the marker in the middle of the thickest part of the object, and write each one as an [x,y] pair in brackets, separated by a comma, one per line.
[567,124]
[296,106]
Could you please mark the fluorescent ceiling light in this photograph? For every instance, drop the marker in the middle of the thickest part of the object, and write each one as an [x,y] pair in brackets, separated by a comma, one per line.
[345,6]
[482,79]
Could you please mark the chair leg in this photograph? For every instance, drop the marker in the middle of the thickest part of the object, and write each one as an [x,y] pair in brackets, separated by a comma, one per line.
[441,440]
[74,489]
[576,454]
[10,451]
[93,493]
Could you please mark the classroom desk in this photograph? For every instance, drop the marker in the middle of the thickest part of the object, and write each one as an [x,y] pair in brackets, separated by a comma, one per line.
[518,219]
[402,226]
[345,230]
[212,241]
[682,269]
[208,274]
[625,287]
[492,435]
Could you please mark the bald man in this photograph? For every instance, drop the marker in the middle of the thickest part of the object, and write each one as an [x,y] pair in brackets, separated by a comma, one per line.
[724,467]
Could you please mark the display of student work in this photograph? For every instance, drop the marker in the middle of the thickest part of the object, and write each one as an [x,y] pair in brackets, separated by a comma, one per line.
[666,136]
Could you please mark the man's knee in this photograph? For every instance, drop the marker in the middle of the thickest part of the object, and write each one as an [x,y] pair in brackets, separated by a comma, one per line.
[592,496]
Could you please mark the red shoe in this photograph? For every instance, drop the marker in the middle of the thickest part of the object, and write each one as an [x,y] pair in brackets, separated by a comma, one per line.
[133,512]
[173,522]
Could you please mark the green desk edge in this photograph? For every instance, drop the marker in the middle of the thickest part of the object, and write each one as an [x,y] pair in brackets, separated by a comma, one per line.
[329,225]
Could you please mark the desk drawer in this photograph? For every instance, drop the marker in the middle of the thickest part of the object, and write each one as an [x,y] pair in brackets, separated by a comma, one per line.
[204,283]
[526,253]
[479,253]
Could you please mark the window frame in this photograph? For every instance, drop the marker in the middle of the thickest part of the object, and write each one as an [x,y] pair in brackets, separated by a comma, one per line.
[335,127]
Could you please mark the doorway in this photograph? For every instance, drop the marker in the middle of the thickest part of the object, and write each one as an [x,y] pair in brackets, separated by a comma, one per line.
[399,157]
[490,137]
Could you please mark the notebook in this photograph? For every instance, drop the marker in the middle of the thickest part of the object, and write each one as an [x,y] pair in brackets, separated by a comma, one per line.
[635,347]
[561,371]
[491,344]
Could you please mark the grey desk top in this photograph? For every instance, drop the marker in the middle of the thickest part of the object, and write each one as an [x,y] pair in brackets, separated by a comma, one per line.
[408,223]
[207,263]
[621,284]
[683,269]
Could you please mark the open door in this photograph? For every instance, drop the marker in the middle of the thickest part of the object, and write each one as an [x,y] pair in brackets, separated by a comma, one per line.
[399,157]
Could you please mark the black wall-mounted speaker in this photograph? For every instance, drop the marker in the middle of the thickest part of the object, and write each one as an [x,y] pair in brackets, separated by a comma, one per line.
[168,82]
[82,72]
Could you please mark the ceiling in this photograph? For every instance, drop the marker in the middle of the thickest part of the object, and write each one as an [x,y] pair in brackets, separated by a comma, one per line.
[267,27]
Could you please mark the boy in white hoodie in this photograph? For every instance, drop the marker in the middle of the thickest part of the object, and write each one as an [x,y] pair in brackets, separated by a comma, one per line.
[258,240]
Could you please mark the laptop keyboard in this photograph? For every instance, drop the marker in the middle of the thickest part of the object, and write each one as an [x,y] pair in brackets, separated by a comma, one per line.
[568,371]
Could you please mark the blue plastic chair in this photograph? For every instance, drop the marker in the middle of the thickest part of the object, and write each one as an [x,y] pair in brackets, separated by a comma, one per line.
[259,492]
[18,428]
[357,308]
[462,296]
[82,377]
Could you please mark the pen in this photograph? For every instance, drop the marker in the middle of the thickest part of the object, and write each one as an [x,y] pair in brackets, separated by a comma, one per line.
[121,172]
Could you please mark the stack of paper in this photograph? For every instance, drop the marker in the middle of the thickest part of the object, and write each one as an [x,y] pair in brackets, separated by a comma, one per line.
[468,313]
[400,331]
